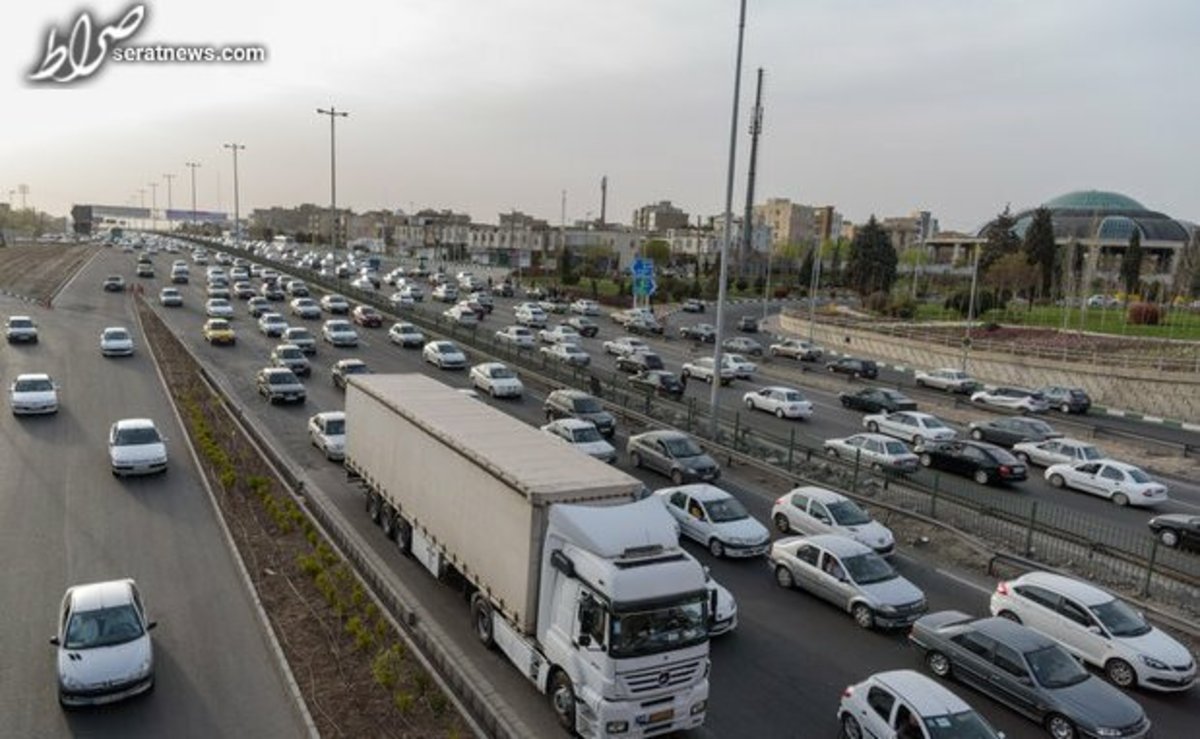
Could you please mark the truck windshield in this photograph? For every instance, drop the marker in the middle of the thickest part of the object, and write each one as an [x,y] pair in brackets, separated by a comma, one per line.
[640,632]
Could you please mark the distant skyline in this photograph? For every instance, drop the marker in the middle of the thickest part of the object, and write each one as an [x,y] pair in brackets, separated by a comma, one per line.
[873,106]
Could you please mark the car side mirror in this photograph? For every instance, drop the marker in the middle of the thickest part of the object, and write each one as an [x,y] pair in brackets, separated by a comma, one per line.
[151,626]
[585,640]
[1094,629]
[54,640]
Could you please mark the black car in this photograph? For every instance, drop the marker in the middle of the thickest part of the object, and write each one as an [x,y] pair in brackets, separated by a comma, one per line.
[578,404]
[662,383]
[505,290]
[700,332]
[1010,430]
[1067,399]
[748,324]
[1177,529]
[693,305]
[639,362]
[876,399]
[854,367]
[983,462]
[586,327]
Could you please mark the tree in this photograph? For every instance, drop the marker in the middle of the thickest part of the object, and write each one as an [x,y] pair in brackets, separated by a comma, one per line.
[1001,241]
[658,250]
[1041,251]
[1010,275]
[564,265]
[1131,263]
[871,264]
[806,268]
[835,265]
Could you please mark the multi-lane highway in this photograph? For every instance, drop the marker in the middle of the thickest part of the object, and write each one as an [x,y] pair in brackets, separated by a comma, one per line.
[67,521]
[780,674]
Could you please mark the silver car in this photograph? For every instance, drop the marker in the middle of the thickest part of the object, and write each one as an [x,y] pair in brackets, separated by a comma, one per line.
[1057,451]
[849,575]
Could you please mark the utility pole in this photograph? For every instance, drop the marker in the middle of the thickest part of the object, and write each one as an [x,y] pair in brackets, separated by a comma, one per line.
[812,292]
[168,178]
[970,308]
[237,216]
[333,114]
[192,166]
[153,205]
[748,218]
[714,395]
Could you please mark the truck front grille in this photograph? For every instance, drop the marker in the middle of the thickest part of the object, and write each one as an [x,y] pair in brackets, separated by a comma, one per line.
[661,678]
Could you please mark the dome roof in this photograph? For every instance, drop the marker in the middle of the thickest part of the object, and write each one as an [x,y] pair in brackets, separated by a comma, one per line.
[1094,200]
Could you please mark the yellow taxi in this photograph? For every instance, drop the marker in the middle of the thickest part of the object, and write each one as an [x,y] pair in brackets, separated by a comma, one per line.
[218,331]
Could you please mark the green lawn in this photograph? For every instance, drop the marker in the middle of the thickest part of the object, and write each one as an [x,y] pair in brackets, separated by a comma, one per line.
[1178,323]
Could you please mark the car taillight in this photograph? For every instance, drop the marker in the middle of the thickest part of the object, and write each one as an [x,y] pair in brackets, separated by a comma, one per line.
[849,691]
[1002,588]
[1005,469]
[781,500]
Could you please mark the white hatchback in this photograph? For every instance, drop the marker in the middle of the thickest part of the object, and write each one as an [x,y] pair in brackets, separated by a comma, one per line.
[496,380]
[888,705]
[813,510]
[716,519]
[584,436]
[784,402]
[327,432]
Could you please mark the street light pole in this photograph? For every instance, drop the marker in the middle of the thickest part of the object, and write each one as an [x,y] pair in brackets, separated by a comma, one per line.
[970,309]
[154,205]
[333,114]
[237,216]
[714,395]
[192,166]
[168,178]
[814,285]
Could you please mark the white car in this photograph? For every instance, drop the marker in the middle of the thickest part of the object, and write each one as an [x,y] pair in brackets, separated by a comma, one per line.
[702,369]
[301,337]
[21,329]
[1013,398]
[170,297]
[116,342]
[875,451]
[722,616]
[406,334]
[496,380]
[402,297]
[567,354]
[1121,483]
[306,308]
[327,432]
[272,324]
[136,448]
[911,426]
[444,354]
[585,307]
[335,304]
[888,704]
[218,308]
[1057,451]
[339,332]
[518,336]
[412,292]
[812,510]
[716,519]
[1098,628]
[947,379]
[784,402]
[104,648]
[625,345]
[584,436]
[560,334]
[461,316]
[33,394]
[445,293]
[742,368]
[363,282]
[531,316]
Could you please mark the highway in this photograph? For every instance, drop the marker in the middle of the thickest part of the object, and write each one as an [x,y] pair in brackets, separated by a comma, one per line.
[68,521]
[780,674]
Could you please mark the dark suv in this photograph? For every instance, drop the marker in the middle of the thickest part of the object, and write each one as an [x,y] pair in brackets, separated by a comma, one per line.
[578,404]
[854,367]
[640,362]
[1066,399]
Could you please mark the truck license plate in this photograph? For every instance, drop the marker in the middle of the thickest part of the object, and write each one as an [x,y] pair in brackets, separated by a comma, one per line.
[664,715]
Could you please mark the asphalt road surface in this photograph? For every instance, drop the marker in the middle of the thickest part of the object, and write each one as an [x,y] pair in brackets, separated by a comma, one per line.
[780,674]
[67,521]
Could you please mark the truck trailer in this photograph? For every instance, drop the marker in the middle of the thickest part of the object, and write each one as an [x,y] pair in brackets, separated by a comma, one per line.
[582,586]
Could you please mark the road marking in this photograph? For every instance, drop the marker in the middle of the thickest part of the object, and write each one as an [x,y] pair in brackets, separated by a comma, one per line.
[963,581]
[1185,504]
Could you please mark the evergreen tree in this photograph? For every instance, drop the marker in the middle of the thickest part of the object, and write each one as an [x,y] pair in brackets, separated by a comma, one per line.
[871,264]
[834,278]
[806,269]
[1131,263]
[1040,249]
[1001,241]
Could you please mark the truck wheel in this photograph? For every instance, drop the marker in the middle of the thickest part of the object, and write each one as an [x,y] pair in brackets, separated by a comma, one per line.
[481,615]
[387,520]
[562,700]
[403,536]
[373,506]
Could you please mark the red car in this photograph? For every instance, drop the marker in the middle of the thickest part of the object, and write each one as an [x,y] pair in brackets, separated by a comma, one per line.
[365,315]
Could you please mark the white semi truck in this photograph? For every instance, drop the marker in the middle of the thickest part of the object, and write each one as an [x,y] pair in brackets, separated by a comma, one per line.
[583,587]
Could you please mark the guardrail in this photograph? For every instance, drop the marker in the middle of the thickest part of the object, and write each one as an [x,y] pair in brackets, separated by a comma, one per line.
[1047,532]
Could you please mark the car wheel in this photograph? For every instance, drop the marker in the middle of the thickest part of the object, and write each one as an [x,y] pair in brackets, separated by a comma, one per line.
[863,616]
[1120,499]
[918,441]
[831,452]
[850,728]
[677,477]
[1065,408]
[877,467]
[926,460]
[1023,457]
[981,477]
[716,548]
[481,615]
[872,427]
[783,577]
[1010,616]
[562,700]
[976,434]
[749,404]
[781,523]
[920,383]
[1060,727]
[1120,673]
[1057,480]
[1169,537]
[635,459]
[938,664]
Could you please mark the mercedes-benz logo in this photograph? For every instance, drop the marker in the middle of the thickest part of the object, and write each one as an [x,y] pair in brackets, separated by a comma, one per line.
[664,678]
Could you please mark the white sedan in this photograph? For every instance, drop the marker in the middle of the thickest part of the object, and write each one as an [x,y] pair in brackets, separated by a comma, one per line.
[496,380]
[910,426]
[1121,483]
[742,368]
[584,436]
[444,354]
[136,448]
[716,519]
[1013,398]
[1057,451]
[32,394]
[327,432]
[567,354]
[518,336]
[876,451]
[116,342]
[339,332]
[406,334]
[585,307]
[560,334]
[625,346]
[306,308]
[218,308]
[784,402]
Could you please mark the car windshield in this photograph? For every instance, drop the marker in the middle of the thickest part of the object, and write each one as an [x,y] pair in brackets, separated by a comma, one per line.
[932,422]
[965,725]
[102,627]
[847,513]
[291,353]
[895,447]
[502,373]
[1137,475]
[217,325]
[1054,667]
[682,446]
[585,435]
[867,568]
[726,510]
[1120,619]
[117,335]
[299,334]
[587,405]
[33,386]
[20,323]
[446,348]
[282,378]
[893,395]
[137,435]
[335,427]
[638,632]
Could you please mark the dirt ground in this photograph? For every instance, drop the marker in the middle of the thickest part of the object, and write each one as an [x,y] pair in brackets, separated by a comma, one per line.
[37,271]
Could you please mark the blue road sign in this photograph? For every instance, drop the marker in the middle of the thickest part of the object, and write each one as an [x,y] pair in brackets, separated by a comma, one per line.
[642,267]
[643,286]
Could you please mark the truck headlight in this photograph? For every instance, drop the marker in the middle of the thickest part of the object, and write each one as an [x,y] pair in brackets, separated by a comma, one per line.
[616,727]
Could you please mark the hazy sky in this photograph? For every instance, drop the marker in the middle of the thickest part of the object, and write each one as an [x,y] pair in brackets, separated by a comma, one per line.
[875,106]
